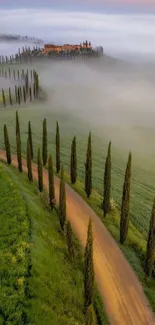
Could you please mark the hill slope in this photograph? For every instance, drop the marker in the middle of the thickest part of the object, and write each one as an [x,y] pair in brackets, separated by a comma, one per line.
[39,283]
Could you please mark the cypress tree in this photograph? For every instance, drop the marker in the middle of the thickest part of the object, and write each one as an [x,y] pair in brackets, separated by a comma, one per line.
[88,168]
[18,95]
[30,93]
[26,83]
[40,172]
[3,97]
[34,90]
[18,74]
[73,167]
[30,139]
[14,74]
[150,251]
[57,148]
[7,145]
[10,96]
[107,182]
[17,124]
[9,73]
[29,163]
[5,74]
[24,94]
[37,84]
[62,200]
[90,316]
[69,237]
[20,90]
[44,142]
[51,183]
[124,221]
[88,269]
[19,155]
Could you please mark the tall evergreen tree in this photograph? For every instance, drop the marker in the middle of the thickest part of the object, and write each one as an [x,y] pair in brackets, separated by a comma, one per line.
[24,94]
[14,74]
[62,200]
[107,182]
[17,124]
[57,148]
[124,221]
[44,142]
[37,84]
[18,95]
[29,163]
[7,145]
[88,168]
[51,183]
[150,251]
[9,73]
[10,96]
[30,139]
[40,172]
[69,237]
[20,91]
[89,269]
[19,154]
[4,99]
[73,167]
[30,93]
[90,316]
[34,90]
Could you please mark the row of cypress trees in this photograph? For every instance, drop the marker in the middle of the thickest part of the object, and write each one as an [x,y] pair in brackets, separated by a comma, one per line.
[106,204]
[65,225]
[30,89]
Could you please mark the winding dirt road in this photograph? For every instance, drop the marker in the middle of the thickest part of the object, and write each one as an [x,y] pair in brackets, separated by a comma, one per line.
[122,293]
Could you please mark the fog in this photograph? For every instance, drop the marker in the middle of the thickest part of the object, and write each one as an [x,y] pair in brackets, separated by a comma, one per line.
[116,99]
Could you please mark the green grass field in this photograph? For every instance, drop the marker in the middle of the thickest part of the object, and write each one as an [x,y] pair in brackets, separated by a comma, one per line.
[39,282]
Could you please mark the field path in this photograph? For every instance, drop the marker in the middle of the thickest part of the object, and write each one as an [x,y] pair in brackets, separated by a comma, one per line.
[120,288]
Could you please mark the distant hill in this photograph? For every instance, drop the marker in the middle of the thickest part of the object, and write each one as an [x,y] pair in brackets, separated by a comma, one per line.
[14,37]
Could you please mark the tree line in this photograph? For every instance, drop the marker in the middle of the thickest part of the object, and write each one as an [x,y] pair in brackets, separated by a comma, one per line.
[23,56]
[43,159]
[28,88]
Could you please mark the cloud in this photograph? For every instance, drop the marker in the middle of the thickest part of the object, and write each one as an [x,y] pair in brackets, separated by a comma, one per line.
[117,33]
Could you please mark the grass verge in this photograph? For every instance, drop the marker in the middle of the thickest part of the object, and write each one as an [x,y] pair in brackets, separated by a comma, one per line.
[14,248]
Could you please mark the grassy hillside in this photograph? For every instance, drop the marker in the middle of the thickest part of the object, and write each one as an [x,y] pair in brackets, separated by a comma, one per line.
[143,177]
[39,282]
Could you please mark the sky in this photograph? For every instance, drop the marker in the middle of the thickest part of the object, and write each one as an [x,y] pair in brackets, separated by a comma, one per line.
[125,28]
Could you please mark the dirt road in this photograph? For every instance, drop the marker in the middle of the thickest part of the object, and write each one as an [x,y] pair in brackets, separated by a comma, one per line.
[122,293]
